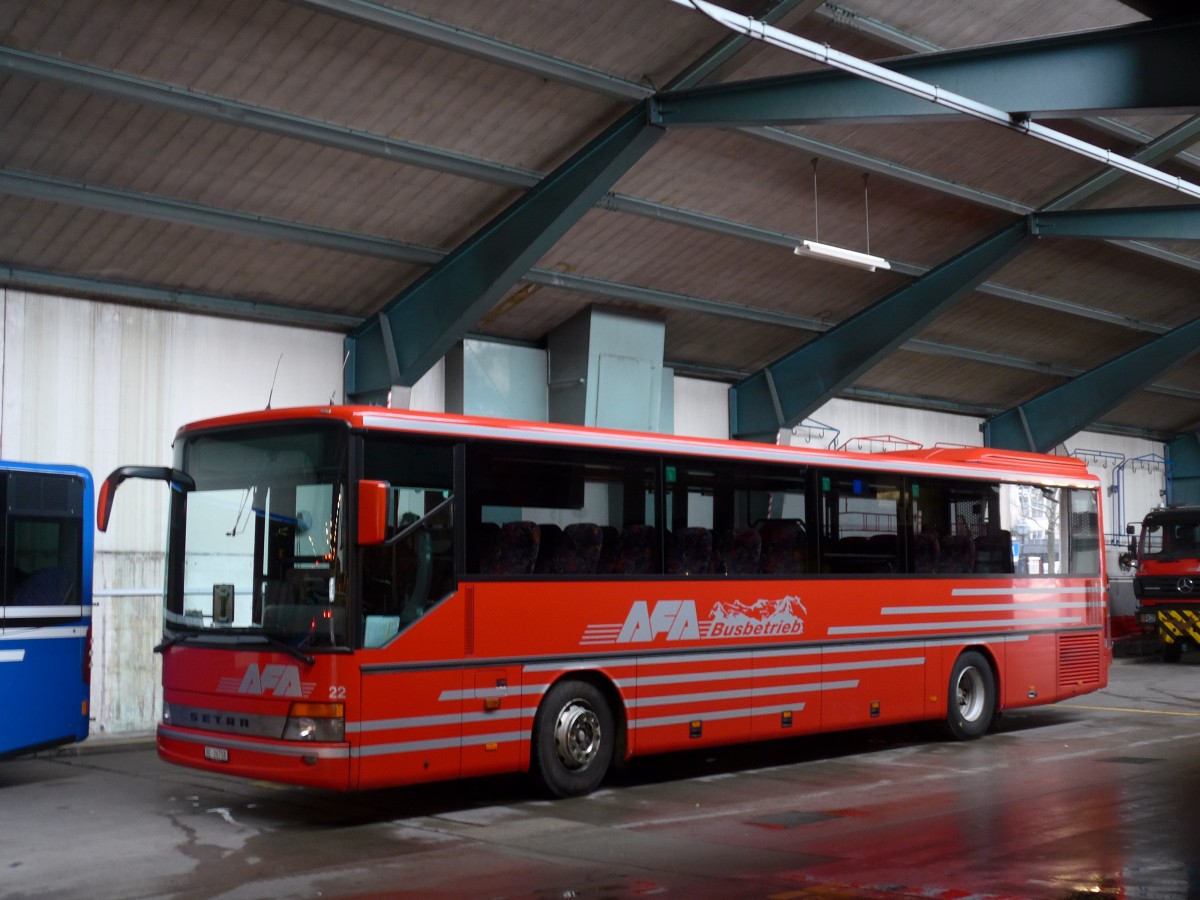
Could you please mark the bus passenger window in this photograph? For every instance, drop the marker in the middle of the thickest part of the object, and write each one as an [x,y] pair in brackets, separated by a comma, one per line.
[860,528]
[560,513]
[44,562]
[956,527]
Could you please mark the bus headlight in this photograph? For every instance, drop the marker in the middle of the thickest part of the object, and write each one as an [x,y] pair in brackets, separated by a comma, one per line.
[316,722]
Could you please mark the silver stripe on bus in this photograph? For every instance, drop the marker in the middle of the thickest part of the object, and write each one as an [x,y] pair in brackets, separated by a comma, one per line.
[50,632]
[474,740]
[1017,605]
[11,655]
[746,713]
[710,696]
[992,592]
[523,690]
[815,669]
[276,749]
[941,626]
[723,675]
[434,721]
[46,612]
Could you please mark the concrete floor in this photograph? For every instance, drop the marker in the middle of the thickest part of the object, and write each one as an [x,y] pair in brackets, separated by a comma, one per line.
[1099,797]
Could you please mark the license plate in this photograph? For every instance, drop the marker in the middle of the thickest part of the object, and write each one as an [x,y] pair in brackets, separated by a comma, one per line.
[216,754]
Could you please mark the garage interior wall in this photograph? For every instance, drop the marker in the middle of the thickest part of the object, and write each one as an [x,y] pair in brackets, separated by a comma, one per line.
[99,384]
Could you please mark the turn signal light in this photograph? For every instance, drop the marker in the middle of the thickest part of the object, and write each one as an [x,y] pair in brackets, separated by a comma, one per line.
[316,722]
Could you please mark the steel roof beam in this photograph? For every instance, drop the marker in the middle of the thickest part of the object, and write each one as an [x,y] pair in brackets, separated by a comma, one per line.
[1054,415]
[245,115]
[460,40]
[901,40]
[733,44]
[1143,66]
[429,317]
[239,114]
[181,301]
[126,202]
[1152,222]
[42,187]
[790,388]
[755,400]
[424,321]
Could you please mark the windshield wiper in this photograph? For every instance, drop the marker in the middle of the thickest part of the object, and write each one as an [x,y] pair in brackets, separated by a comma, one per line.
[171,641]
[291,651]
[275,643]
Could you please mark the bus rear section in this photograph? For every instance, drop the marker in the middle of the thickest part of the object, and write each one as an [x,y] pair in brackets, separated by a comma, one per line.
[45,606]
[1167,581]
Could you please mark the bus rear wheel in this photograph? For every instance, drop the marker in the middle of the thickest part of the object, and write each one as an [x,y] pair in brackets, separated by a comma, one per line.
[573,736]
[971,697]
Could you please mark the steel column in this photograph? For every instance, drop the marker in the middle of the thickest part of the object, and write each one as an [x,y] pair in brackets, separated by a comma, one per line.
[1053,416]
[421,324]
[1184,454]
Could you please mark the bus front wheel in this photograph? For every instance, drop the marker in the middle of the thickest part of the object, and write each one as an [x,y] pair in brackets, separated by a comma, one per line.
[573,737]
[971,697]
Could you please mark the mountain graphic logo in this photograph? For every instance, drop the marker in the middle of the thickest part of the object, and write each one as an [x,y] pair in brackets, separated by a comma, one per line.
[763,617]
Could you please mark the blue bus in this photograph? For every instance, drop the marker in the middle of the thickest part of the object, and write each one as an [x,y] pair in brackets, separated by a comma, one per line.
[46,605]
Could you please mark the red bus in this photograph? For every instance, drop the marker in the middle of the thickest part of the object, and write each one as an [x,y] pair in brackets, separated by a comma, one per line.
[359,597]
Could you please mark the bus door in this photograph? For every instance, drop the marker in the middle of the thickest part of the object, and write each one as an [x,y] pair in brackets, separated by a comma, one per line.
[412,690]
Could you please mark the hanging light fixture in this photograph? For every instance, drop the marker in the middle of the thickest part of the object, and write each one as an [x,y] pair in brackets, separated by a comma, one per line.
[846,257]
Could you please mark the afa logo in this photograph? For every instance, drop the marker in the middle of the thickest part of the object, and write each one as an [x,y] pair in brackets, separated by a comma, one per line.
[271,680]
[674,618]
[678,620]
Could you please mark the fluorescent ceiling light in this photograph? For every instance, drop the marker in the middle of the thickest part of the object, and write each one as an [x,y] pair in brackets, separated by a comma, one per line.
[842,255]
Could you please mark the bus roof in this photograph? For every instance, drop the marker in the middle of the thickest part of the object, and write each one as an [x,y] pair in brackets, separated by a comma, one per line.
[962,461]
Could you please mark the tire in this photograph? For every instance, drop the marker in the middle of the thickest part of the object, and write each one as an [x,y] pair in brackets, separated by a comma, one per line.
[1172,652]
[970,697]
[573,736]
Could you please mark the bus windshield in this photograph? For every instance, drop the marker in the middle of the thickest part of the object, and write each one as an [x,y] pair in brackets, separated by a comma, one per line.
[258,549]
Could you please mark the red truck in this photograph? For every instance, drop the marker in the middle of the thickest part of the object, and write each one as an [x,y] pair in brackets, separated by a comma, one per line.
[1167,579]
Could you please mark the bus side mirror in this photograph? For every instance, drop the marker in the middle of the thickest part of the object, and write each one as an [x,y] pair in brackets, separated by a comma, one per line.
[179,481]
[372,512]
[1130,529]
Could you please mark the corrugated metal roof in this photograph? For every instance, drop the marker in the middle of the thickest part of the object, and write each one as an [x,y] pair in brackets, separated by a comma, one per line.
[146,169]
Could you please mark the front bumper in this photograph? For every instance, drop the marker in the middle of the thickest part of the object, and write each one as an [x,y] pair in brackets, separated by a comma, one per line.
[289,762]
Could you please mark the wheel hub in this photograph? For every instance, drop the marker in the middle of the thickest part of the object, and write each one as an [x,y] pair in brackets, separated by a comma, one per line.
[577,735]
[970,695]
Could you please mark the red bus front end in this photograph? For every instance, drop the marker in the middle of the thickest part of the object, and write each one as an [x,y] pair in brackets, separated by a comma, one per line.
[256,714]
